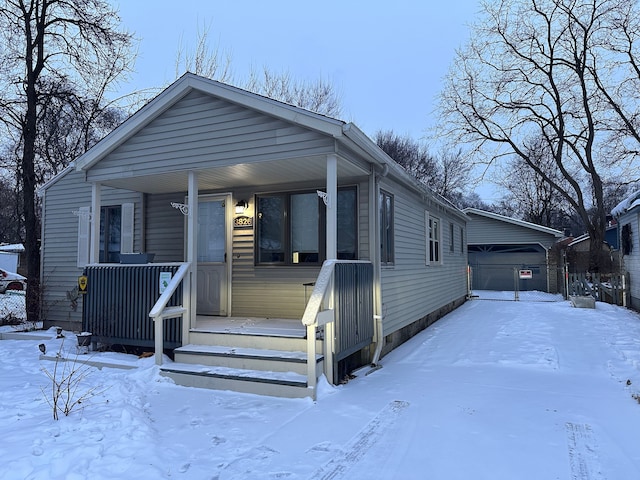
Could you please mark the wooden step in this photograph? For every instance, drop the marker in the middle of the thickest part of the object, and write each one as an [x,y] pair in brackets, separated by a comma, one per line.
[277,384]
[246,358]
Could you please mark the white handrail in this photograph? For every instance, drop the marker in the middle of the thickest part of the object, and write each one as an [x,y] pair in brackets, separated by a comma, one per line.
[310,319]
[156,312]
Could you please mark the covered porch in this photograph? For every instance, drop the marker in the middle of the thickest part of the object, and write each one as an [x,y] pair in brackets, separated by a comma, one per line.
[245,195]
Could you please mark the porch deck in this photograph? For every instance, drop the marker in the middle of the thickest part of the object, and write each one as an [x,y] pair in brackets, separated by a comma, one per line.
[271,327]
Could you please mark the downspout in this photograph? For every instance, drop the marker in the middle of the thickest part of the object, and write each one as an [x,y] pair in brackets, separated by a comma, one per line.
[374,249]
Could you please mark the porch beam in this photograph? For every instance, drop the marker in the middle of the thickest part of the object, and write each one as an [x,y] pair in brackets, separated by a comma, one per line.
[332,201]
[94,250]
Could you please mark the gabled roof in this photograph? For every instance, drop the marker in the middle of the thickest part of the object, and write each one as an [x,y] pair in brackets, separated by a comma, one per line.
[52,181]
[190,82]
[346,133]
[513,221]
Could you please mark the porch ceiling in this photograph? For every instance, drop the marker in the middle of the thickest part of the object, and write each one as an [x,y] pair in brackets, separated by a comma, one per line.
[235,176]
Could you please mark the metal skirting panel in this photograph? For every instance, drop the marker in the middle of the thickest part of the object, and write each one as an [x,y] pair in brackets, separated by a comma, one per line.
[118,301]
[354,325]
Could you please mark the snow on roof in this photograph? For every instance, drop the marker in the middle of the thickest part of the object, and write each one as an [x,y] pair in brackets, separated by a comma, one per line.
[627,204]
[12,248]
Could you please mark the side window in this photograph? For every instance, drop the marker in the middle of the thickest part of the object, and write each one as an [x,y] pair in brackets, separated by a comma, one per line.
[110,234]
[462,248]
[386,228]
[116,233]
[451,238]
[434,239]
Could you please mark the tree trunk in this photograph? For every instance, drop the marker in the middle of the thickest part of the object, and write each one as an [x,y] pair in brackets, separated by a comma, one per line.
[32,248]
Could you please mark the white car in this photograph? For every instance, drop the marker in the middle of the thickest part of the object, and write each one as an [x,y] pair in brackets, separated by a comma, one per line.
[11,281]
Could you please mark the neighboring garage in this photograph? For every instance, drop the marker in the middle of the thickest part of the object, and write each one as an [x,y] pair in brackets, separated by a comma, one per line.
[502,250]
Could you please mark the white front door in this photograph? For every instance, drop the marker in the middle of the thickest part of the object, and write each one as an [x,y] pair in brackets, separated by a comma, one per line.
[212,256]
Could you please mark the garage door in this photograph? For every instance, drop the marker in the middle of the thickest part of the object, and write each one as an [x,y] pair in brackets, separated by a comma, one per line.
[493,267]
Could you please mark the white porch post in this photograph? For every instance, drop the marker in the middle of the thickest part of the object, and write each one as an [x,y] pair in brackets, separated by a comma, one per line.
[94,249]
[332,202]
[332,253]
[192,249]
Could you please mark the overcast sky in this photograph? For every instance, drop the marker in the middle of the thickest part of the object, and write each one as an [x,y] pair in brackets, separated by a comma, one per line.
[386,58]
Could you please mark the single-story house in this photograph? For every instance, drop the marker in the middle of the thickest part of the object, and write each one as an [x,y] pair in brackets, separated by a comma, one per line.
[285,244]
[500,247]
[627,215]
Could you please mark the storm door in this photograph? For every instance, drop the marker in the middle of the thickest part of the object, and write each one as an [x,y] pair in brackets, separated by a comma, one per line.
[212,256]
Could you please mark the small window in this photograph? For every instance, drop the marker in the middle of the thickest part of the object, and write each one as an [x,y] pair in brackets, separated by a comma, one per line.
[433,234]
[110,234]
[462,240]
[386,228]
[451,238]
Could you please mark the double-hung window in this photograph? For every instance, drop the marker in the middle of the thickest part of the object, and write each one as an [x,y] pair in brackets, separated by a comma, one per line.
[434,239]
[291,227]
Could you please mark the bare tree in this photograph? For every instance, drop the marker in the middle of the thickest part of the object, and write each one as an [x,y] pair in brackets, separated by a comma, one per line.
[530,196]
[535,71]
[318,96]
[56,54]
[410,154]
[446,174]
[204,60]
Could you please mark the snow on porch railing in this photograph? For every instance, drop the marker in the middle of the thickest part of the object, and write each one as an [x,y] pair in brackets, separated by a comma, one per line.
[320,312]
[160,311]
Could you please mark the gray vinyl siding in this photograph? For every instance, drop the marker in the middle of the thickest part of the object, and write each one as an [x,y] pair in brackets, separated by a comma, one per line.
[200,130]
[165,227]
[482,231]
[411,289]
[60,243]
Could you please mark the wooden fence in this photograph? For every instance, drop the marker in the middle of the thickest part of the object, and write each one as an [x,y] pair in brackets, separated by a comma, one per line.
[609,288]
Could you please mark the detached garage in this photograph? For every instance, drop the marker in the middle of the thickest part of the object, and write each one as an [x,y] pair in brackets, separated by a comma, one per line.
[499,248]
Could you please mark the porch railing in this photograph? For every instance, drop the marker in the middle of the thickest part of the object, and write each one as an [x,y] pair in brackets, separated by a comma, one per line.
[118,300]
[342,302]
[161,311]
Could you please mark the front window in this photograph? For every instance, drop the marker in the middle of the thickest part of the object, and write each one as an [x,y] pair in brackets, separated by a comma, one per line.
[305,228]
[110,225]
[291,227]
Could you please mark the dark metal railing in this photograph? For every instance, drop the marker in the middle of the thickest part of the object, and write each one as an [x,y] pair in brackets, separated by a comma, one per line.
[118,301]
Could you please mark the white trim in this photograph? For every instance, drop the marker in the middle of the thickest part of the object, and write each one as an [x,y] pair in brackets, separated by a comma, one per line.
[514,221]
[84,236]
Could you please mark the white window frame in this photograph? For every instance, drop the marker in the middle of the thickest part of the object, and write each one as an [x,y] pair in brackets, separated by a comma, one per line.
[429,222]
[84,232]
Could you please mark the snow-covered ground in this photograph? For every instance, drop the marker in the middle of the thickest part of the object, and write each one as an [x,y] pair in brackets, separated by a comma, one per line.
[495,390]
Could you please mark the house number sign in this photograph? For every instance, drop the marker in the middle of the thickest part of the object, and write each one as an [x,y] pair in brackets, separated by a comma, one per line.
[243,222]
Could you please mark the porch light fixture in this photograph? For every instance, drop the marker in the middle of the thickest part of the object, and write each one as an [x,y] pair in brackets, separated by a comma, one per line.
[241,207]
